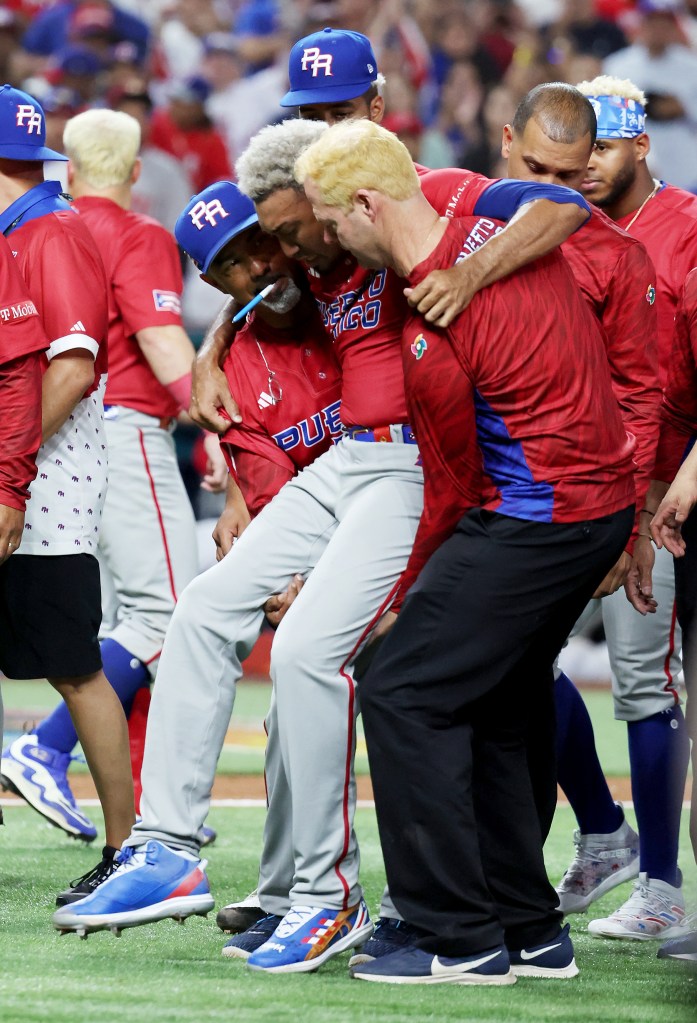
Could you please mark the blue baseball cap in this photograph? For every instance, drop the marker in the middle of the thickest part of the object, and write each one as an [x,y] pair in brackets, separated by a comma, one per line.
[210,219]
[330,66]
[23,127]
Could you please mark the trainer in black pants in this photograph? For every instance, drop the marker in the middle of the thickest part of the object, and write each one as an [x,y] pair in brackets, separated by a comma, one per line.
[686,606]
[445,708]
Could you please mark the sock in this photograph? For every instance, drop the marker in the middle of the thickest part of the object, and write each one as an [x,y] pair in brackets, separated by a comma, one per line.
[578,769]
[659,751]
[126,674]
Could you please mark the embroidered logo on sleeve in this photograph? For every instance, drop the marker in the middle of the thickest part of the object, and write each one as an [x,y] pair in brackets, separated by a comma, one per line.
[167,302]
[17,311]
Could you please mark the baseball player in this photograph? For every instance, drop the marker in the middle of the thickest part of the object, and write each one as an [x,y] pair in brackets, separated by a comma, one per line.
[50,595]
[644,651]
[147,543]
[672,528]
[22,340]
[444,708]
[618,279]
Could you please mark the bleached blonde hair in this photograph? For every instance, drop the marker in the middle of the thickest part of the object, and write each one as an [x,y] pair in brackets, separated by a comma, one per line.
[606,85]
[358,154]
[103,146]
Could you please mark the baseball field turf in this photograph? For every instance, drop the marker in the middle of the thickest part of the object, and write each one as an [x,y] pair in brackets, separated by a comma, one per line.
[169,973]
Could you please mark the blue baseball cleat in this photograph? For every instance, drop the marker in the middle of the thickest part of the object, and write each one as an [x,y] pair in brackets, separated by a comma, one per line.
[39,774]
[308,936]
[151,882]
[552,959]
[242,945]
[389,936]
[416,966]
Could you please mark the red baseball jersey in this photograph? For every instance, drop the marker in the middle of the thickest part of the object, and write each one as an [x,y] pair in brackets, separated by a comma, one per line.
[202,151]
[618,279]
[516,392]
[667,226]
[22,338]
[288,387]
[364,311]
[144,279]
[679,409]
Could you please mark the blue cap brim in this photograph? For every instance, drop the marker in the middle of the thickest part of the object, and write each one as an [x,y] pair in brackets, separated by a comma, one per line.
[18,151]
[325,94]
[228,236]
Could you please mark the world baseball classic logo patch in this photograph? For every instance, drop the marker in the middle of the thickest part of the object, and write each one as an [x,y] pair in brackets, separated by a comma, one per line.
[651,294]
[167,302]
[419,346]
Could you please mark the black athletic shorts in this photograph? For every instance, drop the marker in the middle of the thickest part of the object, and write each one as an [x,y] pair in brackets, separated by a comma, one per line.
[50,613]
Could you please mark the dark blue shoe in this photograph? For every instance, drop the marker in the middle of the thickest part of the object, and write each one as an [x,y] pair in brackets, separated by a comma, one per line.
[206,835]
[152,882]
[680,948]
[389,936]
[416,966]
[553,959]
[242,945]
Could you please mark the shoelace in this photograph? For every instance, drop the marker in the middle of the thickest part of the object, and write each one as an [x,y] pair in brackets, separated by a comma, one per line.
[104,869]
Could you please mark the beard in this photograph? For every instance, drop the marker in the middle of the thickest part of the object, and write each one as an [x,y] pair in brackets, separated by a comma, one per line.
[622,183]
[284,300]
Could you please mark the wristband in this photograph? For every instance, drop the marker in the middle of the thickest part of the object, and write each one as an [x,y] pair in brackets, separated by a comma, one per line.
[648,511]
[181,391]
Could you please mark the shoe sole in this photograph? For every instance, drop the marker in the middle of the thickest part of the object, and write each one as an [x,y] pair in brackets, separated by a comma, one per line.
[10,784]
[234,953]
[359,958]
[179,909]
[669,932]
[495,980]
[355,937]
[563,973]
[580,905]
[238,920]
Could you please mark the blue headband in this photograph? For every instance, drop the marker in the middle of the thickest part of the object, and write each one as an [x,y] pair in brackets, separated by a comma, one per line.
[618,118]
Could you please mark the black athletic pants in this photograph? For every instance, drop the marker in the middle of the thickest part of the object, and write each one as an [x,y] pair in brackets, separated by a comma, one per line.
[445,708]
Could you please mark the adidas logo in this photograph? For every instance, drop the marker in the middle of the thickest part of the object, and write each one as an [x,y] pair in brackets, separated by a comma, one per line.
[265,400]
[79,326]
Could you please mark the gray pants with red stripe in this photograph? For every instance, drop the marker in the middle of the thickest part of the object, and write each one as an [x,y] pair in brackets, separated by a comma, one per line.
[147,543]
[350,520]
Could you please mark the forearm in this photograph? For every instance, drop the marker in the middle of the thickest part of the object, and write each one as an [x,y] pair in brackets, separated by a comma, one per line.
[64,383]
[168,351]
[536,229]
[219,338]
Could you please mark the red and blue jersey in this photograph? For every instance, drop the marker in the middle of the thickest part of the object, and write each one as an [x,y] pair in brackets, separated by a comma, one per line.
[288,386]
[516,393]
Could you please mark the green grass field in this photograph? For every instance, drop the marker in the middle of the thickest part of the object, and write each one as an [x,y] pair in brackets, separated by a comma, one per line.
[165,973]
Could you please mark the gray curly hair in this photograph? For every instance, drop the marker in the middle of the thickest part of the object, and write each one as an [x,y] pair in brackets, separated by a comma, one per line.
[267,164]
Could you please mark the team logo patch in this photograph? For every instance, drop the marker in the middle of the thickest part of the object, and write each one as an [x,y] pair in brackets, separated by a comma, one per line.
[419,346]
[207,211]
[651,294]
[167,302]
[315,61]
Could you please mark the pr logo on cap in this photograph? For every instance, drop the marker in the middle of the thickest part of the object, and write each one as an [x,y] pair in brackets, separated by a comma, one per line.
[207,211]
[29,117]
[313,59]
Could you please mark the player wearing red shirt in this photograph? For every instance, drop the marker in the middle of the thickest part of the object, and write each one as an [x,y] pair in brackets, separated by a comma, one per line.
[51,592]
[518,570]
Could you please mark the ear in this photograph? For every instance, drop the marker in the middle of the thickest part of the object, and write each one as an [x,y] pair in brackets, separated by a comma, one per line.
[137,168]
[642,146]
[364,202]
[506,141]
[376,110]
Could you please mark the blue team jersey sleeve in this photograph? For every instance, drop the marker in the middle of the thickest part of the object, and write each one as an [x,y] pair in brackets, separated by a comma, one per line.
[503,198]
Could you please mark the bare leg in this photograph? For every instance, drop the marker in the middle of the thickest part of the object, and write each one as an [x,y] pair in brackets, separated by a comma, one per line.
[101,727]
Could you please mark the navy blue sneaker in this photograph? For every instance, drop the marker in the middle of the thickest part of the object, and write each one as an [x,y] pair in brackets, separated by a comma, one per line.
[552,959]
[416,966]
[206,835]
[309,935]
[242,945]
[151,882]
[389,936]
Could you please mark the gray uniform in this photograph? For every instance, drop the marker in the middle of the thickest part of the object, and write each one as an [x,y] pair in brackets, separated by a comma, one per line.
[349,519]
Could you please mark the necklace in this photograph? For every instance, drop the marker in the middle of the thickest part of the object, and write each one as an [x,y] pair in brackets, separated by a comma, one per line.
[275,390]
[654,190]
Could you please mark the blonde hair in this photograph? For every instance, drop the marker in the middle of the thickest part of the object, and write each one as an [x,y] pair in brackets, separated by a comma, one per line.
[606,85]
[358,154]
[103,146]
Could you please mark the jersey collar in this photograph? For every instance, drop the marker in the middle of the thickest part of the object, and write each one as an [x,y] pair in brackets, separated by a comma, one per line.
[37,202]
